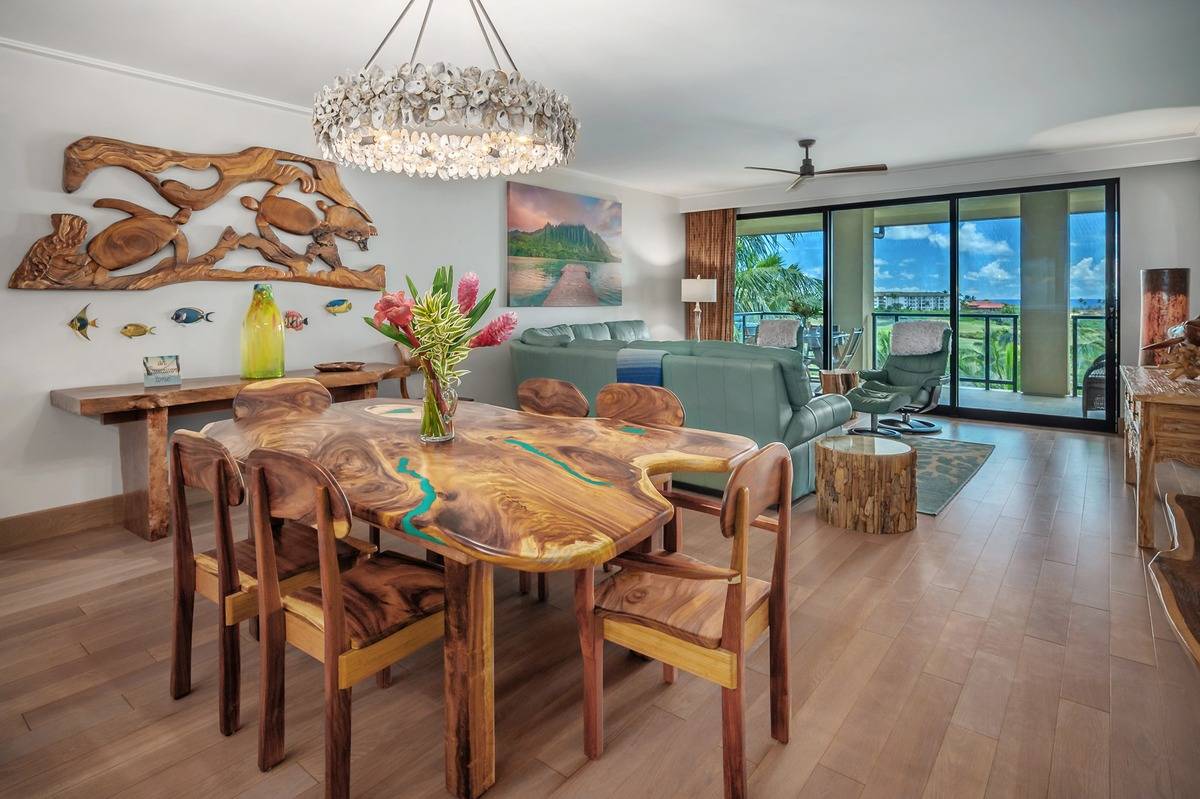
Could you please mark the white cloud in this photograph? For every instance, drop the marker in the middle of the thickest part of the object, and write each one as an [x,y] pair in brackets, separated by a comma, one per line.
[940,240]
[1088,273]
[970,239]
[993,272]
[908,261]
[881,262]
[908,232]
[908,276]
[883,274]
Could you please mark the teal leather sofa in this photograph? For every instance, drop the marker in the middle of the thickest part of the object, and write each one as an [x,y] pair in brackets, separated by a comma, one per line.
[762,393]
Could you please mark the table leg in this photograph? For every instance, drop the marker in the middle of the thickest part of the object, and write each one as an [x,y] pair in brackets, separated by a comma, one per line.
[591,642]
[469,679]
[1145,481]
[144,474]
[1130,460]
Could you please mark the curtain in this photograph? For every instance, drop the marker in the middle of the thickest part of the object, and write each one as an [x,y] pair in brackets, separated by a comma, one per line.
[710,239]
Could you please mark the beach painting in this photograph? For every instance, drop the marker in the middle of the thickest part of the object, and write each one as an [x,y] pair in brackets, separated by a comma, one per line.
[564,249]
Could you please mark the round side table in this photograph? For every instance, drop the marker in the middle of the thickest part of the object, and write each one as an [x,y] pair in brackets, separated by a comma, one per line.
[867,483]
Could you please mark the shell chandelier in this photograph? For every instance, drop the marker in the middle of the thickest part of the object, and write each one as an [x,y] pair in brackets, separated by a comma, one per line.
[441,120]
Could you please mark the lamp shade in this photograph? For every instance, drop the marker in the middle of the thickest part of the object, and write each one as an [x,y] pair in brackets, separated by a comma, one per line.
[699,289]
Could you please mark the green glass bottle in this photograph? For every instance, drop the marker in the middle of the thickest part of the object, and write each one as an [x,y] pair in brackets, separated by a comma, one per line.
[262,336]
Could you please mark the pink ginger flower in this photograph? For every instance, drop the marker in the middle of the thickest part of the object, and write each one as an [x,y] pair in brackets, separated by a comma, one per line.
[496,331]
[394,309]
[468,292]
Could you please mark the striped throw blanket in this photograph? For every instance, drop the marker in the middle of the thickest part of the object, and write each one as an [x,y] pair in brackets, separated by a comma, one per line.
[640,366]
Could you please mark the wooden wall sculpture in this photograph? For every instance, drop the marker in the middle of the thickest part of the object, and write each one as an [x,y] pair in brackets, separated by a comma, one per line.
[62,261]
[1164,305]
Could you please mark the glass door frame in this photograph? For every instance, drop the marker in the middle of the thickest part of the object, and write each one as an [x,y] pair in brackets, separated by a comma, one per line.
[1111,294]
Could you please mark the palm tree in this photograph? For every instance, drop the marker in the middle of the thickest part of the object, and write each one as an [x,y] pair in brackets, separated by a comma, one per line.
[763,282]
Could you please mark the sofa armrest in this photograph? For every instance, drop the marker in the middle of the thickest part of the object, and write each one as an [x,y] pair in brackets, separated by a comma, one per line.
[820,415]
[878,375]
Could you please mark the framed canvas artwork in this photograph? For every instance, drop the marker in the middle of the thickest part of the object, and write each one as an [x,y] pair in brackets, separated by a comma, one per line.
[564,249]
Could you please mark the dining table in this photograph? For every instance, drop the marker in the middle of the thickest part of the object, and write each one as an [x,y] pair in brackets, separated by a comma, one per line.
[513,489]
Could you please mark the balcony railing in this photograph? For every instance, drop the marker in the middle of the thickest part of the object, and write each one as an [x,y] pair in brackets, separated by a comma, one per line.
[994,364]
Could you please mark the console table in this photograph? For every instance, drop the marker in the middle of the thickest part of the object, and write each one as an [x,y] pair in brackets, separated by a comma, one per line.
[1162,422]
[141,416]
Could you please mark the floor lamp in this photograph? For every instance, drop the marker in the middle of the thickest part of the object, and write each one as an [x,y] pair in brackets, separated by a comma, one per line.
[698,290]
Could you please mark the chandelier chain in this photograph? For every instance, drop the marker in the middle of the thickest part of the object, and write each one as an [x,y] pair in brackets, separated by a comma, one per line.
[421,33]
[488,41]
[499,38]
[387,36]
[477,6]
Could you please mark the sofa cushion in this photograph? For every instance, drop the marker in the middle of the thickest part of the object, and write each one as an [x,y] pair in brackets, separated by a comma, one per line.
[791,362]
[539,337]
[595,344]
[548,336]
[597,331]
[628,330]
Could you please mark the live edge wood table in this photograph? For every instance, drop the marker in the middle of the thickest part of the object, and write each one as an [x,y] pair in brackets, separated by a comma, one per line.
[141,415]
[534,493]
[1162,422]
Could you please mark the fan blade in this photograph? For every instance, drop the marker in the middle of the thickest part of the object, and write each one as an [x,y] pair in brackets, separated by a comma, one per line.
[796,183]
[772,169]
[851,169]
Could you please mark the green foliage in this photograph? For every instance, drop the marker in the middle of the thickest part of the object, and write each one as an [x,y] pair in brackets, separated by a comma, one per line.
[567,242]
[763,282]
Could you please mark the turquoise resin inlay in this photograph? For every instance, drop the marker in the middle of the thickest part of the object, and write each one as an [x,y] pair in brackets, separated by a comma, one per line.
[566,467]
[400,410]
[637,431]
[428,496]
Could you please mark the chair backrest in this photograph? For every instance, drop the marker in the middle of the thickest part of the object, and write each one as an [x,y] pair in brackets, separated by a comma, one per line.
[634,402]
[283,485]
[551,397]
[920,369]
[778,333]
[283,397]
[756,484]
[850,349]
[198,461]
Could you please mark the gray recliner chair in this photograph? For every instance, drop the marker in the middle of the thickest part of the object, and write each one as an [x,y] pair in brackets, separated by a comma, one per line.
[909,382]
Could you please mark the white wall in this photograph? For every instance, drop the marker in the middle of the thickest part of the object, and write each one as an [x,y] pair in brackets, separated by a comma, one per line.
[53,458]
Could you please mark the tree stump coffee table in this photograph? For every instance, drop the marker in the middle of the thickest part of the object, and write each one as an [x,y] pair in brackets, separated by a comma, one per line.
[867,483]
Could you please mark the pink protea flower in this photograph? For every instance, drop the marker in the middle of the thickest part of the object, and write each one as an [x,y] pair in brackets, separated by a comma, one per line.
[496,331]
[468,292]
[394,309]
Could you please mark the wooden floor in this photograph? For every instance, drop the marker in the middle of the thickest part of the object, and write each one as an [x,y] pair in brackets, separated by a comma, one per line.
[1005,648]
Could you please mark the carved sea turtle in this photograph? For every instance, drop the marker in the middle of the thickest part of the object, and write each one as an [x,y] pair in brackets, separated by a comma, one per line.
[131,240]
[347,223]
[284,213]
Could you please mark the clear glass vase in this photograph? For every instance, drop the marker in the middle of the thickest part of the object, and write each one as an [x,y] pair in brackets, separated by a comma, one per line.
[437,419]
[262,337]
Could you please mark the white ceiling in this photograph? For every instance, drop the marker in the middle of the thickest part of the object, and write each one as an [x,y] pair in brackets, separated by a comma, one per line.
[675,96]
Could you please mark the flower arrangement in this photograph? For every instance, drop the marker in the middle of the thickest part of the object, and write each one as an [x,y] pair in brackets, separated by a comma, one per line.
[439,327]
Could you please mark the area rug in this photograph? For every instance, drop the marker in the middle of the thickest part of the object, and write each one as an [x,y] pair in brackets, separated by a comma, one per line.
[943,467]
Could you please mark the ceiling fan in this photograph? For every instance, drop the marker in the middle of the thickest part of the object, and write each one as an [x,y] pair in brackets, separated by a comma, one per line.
[807,171]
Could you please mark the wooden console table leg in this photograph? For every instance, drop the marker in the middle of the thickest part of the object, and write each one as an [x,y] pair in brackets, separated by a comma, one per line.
[1145,479]
[469,679]
[144,473]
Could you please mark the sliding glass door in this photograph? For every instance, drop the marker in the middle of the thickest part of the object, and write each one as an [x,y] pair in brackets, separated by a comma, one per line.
[780,280]
[1026,280]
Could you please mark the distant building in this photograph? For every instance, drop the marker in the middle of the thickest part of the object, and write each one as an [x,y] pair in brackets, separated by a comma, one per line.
[984,305]
[912,300]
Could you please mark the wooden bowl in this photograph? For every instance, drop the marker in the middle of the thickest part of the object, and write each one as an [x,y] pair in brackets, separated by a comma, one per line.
[339,366]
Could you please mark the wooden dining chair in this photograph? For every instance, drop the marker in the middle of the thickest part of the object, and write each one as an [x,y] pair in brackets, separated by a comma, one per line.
[549,397]
[227,574]
[639,404]
[355,622]
[699,617]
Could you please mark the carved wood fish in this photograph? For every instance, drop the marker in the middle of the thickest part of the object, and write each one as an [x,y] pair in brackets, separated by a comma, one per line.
[294,320]
[186,316]
[338,306]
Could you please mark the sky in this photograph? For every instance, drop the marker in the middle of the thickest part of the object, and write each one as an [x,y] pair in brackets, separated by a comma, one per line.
[917,257]
[532,207]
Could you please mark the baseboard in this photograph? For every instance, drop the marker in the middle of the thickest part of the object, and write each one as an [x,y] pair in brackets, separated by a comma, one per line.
[26,528]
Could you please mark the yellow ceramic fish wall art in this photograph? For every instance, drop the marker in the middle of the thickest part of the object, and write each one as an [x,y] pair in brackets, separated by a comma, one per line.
[135,329]
[338,306]
[80,322]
